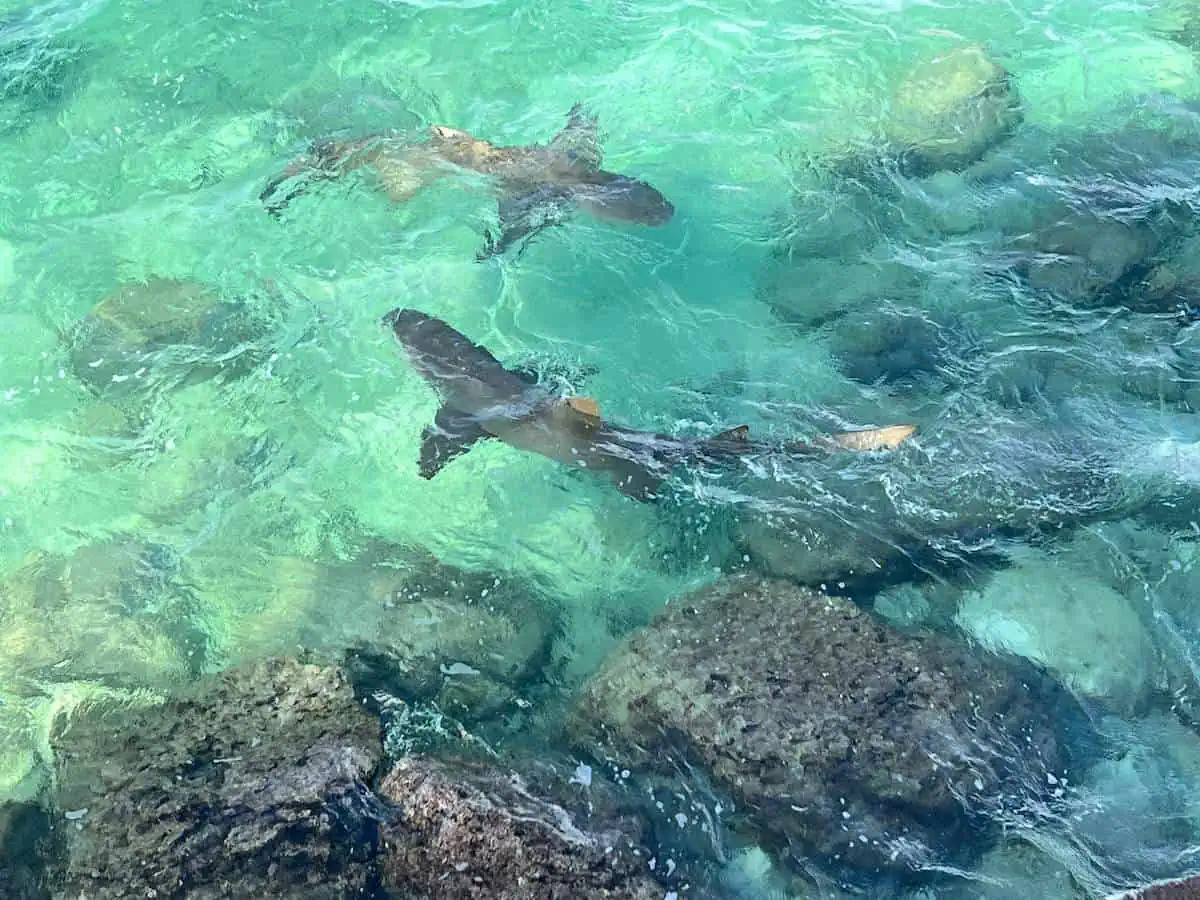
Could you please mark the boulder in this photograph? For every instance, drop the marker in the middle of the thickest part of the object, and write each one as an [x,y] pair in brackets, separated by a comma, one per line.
[949,110]
[1068,621]
[856,746]
[25,838]
[113,612]
[474,831]
[161,330]
[253,781]
[1177,889]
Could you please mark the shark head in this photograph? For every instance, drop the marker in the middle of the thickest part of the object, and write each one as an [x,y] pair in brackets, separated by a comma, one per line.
[466,376]
[619,198]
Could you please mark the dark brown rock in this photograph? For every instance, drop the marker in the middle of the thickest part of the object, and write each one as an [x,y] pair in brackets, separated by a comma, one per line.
[250,786]
[473,831]
[859,746]
[25,840]
[1183,889]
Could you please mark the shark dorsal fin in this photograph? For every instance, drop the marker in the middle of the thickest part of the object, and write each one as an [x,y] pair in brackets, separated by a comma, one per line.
[578,141]
[887,438]
[585,405]
[740,434]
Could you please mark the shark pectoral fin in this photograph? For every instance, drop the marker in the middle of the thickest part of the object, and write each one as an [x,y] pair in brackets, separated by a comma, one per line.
[450,436]
[275,205]
[888,438]
[521,216]
[325,161]
[585,405]
[637,484]
[740,433]
[578,142]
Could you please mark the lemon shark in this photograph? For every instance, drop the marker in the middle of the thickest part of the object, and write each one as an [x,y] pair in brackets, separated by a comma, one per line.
[538,185]
[481,400]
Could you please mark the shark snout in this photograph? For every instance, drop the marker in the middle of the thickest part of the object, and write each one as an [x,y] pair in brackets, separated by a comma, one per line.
[626,199]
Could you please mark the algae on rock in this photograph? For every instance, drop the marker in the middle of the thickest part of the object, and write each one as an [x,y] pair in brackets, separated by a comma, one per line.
[1070,622]
[949,110]
[256,778]
[478,832]
[860,747]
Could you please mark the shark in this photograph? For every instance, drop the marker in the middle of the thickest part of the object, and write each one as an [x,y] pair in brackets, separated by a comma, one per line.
[483,400]
[538,186]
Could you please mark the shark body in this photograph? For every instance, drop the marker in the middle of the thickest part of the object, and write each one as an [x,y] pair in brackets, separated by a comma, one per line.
[481,399]
[538,185]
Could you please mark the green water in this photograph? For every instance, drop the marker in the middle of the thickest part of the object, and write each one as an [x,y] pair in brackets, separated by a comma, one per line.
[139,150]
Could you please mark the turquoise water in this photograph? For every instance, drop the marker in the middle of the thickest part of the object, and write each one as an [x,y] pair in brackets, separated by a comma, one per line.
[135,139]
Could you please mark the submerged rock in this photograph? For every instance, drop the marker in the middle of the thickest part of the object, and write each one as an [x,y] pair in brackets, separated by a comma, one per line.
[473,830]
[415,627]
[24,838]
[113,612]
[1090,254]
[949,110]
[815,551]
[890,345]
[1176,889]
[255,779]
[1017,870]
[464,637]
[41,66]
[1177,20]
[860,747]
[1150,773]
[1075,625]
[135,333]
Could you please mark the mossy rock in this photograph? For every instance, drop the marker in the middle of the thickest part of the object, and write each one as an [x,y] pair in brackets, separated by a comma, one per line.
[949,110]
[160,330]
[254,780]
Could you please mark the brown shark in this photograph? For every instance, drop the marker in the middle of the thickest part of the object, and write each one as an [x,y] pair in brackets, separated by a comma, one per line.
[482,399]
[538,185]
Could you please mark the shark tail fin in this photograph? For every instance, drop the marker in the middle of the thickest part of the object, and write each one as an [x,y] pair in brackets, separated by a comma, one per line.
[888,438]
[579,139]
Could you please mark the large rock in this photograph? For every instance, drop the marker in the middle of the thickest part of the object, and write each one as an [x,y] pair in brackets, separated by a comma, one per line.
[1070,622]
[251,786]
[950,109]
[1176,889]
[113,612]
[861,747]
[24,839]
[473,831]
[161,331]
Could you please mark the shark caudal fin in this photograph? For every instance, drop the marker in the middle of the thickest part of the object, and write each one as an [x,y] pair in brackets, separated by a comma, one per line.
[887,438]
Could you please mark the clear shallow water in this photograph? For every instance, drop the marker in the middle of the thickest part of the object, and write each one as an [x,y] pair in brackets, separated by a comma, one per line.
[135,139]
